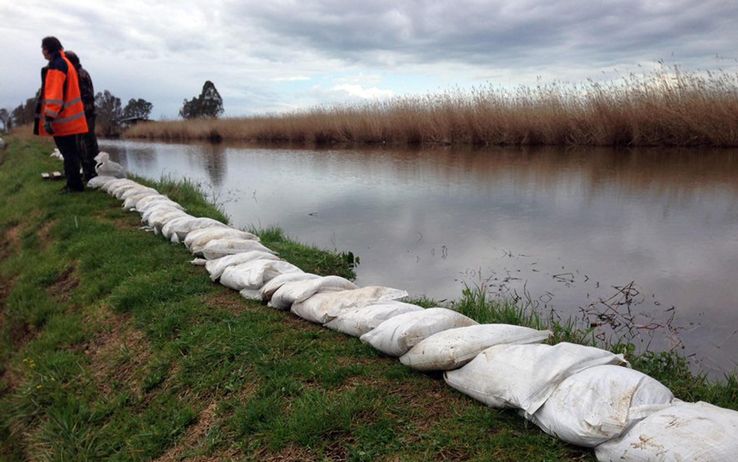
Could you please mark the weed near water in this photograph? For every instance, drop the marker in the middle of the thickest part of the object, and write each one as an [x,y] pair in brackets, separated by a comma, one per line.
[668,367]
[666,107]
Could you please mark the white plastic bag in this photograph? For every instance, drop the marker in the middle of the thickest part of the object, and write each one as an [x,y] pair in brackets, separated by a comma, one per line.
[107,167]
[397,335]
[151,203]
[120,188]
[216,267]
[272,286]
[524,376]
[110,185]
[177,230]
[141,189]
[196,240]
[599,404]
[218,248]
[253,274]
[297,291]
[359,321]
[694,432]
[159,217]
[131,201]
[99,181]
[324,307]
[453,348]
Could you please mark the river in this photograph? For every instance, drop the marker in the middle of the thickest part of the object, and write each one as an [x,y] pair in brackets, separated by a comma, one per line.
[644,238]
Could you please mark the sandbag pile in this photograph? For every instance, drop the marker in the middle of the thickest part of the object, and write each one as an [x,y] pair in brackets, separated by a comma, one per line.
[583,395]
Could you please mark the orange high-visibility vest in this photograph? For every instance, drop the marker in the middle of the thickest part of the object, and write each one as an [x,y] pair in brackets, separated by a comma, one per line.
[62,100]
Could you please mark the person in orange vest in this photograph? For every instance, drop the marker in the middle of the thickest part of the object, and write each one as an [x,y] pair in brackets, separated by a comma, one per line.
[87,143]
[61,112]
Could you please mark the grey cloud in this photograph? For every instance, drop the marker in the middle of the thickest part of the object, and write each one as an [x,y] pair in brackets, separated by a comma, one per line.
[498,32]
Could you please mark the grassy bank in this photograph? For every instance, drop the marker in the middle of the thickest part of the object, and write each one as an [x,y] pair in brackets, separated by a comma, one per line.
[666,108]
[114,347]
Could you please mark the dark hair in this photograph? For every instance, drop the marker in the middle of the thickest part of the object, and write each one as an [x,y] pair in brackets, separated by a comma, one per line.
[51,44]
[73,58]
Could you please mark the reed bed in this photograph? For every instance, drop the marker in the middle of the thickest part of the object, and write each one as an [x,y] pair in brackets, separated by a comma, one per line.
[665,108]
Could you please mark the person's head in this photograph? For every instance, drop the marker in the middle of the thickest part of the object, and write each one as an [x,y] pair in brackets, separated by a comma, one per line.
[50,46]
[73,58]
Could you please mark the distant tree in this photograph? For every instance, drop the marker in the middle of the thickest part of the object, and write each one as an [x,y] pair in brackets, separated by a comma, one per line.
[4,119]
[109,112]
[139,108]
[209,104]
[24,113]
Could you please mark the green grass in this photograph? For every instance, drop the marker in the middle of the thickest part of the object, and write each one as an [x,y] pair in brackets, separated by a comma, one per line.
[114,347]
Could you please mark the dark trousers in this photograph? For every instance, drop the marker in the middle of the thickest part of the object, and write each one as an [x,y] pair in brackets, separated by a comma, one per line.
[88,149]
[68,147]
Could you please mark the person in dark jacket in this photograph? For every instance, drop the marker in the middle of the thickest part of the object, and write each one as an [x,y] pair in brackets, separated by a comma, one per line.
[61,112]
[87,142]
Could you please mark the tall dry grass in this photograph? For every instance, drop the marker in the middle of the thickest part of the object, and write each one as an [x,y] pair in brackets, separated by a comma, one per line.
[665,108]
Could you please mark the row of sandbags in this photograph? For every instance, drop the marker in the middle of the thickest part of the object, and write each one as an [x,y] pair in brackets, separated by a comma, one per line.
[583,395]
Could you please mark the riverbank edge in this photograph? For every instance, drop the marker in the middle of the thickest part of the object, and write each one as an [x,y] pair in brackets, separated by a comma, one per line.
[58,242]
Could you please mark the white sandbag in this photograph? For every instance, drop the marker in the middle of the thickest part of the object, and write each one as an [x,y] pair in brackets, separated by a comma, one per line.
[297,291]
[453,348]
[199,262]
[55,154]
[131,201]
[120,188]
[114,183]
[324,307]
[99,181]
[168,222]
[147,203]
[196,240]
[135,191]
[107,167]
[359,321]
[599,404]
[218,248]
[216,267]
[253,274]
[159,217]
[272,286]
[693,432]
[524,376]
[177,230]
[156,208]
[397,335]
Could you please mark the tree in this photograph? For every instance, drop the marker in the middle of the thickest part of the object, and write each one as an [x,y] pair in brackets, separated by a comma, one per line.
[109,112]
[208,104]
[24,113]
[4,119]
[138,108]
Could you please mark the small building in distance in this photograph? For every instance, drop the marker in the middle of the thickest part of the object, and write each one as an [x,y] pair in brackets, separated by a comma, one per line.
[131,121]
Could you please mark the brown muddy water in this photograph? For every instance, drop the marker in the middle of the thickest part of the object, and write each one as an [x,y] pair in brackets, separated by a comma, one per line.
[643,243]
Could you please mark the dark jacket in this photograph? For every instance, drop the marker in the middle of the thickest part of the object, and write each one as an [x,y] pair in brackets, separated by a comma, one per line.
[39,101]
[87,91]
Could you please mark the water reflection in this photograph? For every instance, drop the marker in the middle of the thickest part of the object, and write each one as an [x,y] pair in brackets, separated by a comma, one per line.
[562,228]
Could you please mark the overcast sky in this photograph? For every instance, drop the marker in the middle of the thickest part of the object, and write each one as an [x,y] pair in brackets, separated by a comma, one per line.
[271,56]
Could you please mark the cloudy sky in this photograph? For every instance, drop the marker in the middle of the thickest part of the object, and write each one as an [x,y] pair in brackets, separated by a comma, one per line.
[271,56]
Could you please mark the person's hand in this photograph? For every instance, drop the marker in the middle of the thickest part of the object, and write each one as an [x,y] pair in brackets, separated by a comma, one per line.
[48,127]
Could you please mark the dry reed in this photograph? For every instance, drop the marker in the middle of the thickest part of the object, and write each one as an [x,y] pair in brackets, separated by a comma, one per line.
[665,108]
